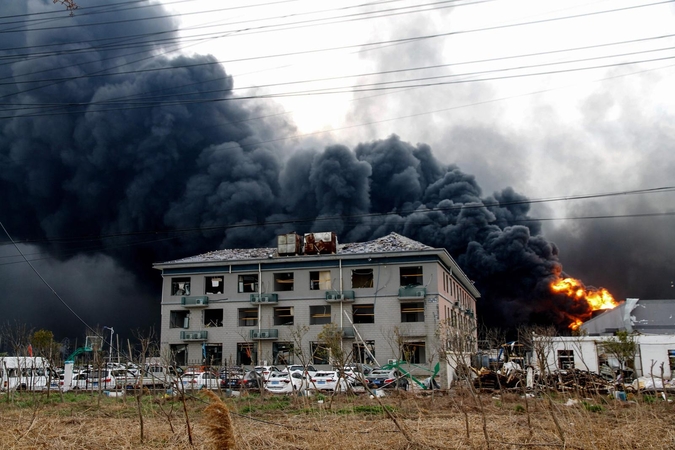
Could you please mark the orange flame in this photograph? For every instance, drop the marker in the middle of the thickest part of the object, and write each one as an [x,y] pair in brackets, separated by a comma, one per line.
[596,299]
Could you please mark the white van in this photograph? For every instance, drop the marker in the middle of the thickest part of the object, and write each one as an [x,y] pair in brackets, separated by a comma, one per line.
[25,373]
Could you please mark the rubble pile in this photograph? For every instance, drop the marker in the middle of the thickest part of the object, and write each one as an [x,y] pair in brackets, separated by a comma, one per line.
[491,380]
[578,381]
[563,380]
[393,242]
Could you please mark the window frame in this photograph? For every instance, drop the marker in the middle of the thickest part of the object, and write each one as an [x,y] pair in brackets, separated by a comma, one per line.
[366,310]
[247,279]
[283,319]
[565,359]
[414,312]
[209,288]
[213,321]
[363,280]
[284,281]
[177,290]
[317,282]
[414,278]
[320,315]
[243,318]
[181,315]
[418,352]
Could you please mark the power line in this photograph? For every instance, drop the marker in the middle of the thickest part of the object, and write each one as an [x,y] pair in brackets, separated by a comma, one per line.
[484,204]
[53,291]
[324,91]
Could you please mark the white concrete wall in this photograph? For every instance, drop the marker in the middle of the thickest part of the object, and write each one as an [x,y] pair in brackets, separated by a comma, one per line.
[651,349]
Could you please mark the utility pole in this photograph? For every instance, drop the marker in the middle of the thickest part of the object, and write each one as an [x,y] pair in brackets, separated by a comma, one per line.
[111,344]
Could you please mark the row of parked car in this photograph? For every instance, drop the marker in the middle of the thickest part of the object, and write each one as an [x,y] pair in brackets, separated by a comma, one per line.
[33,374]
[298,378]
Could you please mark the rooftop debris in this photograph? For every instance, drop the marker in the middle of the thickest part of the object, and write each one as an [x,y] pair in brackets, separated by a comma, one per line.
[393,242]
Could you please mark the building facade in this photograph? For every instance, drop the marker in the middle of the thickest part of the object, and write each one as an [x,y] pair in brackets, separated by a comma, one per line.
[390,297]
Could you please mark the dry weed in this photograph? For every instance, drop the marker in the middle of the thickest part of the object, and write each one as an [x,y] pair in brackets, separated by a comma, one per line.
[219,423]
[352,422]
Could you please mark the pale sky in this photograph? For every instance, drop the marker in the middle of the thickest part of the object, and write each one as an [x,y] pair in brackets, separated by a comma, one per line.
[547,135]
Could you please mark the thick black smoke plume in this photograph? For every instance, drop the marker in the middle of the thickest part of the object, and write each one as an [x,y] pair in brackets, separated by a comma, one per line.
[115,150]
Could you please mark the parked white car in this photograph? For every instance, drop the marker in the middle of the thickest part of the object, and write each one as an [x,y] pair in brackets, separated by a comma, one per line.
[286,383]
[266,371]
[94,380]
[328,381]
[308,370]
[200,380]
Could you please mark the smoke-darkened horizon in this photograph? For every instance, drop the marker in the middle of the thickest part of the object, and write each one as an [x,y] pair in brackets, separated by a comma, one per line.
[97,155]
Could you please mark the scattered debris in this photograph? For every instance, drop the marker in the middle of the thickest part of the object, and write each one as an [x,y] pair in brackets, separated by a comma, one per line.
[563,380]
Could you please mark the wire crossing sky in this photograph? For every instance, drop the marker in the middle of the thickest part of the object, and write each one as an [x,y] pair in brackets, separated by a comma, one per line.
[139,131]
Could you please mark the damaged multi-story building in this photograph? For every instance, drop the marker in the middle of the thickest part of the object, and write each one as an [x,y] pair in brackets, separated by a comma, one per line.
[391,297]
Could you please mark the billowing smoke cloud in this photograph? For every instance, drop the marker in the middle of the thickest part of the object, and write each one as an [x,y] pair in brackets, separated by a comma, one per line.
[154,162]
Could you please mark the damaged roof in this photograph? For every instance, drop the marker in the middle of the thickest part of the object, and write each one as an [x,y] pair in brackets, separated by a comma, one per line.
[393,242]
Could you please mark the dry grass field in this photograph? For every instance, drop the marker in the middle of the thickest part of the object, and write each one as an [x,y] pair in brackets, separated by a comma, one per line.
[455,420]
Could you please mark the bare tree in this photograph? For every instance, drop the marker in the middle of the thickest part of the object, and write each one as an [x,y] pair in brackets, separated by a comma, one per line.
[69,4]
[17,335]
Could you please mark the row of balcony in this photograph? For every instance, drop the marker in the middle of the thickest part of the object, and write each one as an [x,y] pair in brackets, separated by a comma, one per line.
[268,333]
[404,293]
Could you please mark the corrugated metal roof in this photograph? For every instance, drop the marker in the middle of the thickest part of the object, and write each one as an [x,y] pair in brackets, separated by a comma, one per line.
[393,242]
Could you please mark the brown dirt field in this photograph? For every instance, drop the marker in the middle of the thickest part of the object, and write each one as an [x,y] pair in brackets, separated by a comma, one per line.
[84,421]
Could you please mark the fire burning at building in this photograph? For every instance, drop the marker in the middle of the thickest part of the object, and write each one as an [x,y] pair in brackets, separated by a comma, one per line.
[595,299]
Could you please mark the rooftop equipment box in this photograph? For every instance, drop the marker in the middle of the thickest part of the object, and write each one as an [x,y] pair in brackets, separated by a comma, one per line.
[289,244]
[316,243]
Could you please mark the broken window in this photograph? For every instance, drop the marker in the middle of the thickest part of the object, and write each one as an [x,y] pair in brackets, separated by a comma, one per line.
[213,354]
[363,313]
[248,317]
[320,353]
[179,319]
[282,353]
[411,276]
[320,280]
[414,352]
[319,315]
[248,283]
[364,352]
[213,317]
[180,286]
[412,312]
[362,278]
[247,353]
[671,359]
[213,285]
[283,315]
[178,354]
[283,281]
[566,359]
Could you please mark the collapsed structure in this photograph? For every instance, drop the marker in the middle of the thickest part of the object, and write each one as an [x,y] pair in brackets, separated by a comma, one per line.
[389,297]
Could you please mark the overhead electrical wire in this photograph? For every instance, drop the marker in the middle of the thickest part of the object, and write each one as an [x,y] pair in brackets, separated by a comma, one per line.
[485,204]
[330,49]
[129,105]
[402,40]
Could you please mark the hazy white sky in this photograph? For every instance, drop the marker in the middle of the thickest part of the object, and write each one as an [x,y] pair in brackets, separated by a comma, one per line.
[546,135]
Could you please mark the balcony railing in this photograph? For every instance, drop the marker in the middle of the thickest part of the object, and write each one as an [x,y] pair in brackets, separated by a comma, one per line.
[410,292]
[195,302]
[194,335]
[270,333]
[264,298]
[339,296]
